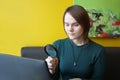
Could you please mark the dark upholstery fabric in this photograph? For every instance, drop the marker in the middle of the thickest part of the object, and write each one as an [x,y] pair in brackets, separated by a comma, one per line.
[35,52]
[19,68]
[112,71]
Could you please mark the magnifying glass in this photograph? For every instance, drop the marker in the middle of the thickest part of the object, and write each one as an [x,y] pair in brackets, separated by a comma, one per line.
[51,50]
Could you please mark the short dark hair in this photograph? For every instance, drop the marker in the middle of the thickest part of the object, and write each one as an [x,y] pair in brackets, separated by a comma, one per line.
[81,16]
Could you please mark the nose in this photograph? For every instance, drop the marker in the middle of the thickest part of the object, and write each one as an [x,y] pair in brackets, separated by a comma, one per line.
[70,28]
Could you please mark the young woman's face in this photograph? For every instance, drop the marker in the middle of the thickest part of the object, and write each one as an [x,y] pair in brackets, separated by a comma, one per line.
[72,27]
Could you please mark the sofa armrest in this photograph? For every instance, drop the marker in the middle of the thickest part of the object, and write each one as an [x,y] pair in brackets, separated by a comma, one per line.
[35,52]
[20,68]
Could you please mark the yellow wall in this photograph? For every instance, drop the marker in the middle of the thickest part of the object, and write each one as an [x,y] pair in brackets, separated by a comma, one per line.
[34,23]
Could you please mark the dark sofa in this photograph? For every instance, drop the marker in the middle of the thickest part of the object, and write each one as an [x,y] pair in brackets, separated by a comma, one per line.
[112,71]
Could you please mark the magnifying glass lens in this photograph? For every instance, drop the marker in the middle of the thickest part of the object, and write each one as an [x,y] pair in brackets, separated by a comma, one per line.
[51,50]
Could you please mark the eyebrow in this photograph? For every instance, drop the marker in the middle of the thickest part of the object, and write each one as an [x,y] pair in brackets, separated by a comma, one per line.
[73,22]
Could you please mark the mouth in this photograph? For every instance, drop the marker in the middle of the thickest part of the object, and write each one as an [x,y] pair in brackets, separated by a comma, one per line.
[71,34]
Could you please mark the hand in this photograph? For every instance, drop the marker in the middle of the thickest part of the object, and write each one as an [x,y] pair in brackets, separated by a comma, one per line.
[75,79]
[52,63]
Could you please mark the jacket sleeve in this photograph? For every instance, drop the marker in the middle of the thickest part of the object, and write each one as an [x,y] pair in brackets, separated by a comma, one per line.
[99,66]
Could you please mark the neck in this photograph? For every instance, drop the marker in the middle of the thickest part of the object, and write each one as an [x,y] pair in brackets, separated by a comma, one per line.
[80,42]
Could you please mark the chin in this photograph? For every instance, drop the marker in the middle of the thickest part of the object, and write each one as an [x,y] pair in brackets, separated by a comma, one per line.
[72,38]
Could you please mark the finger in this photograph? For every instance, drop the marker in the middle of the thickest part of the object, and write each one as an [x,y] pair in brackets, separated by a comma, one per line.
[49,65]
[48,59]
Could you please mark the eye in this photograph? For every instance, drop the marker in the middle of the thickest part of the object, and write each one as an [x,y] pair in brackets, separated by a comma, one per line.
[66,24]
[76,24]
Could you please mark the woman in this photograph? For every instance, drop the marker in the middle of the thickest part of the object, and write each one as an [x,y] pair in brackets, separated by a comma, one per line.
[79,58]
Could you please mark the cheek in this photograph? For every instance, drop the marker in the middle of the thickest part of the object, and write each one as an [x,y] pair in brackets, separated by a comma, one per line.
[79,29]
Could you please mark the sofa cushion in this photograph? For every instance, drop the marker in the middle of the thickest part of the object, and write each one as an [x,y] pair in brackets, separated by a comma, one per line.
[112,70]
